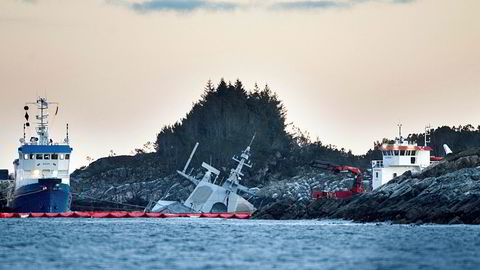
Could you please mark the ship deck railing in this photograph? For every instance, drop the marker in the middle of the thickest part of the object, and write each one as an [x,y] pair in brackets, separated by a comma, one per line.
[377,164]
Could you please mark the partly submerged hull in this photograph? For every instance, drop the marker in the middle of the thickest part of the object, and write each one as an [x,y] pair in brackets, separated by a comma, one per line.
[47,196]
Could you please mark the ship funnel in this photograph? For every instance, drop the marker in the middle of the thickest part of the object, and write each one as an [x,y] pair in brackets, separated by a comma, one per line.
[447,149]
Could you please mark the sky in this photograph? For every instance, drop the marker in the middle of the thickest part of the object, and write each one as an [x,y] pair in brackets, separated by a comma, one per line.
[348,71]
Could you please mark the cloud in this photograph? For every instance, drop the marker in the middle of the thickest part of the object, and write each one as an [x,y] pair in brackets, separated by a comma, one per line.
[403,1]
[310,5]
[181,5]
[327,4]
[145,6]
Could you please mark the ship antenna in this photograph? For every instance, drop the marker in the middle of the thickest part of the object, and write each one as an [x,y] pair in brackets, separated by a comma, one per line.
[190,158]
[67,133]
[42,128]
[400,132]
[427,135]
[253,138]
[24,132]
[41,113]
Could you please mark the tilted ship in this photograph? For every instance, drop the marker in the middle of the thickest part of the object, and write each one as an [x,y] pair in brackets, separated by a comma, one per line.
[41,172]
[212,195]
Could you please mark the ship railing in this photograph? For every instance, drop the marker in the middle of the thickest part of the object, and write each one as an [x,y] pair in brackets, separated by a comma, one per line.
[377,163]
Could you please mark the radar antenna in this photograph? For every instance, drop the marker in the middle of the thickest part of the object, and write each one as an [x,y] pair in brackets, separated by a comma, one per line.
[400,133]
[428,134]
[42,119]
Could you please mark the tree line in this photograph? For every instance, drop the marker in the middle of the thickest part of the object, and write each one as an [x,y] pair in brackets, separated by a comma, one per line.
[457,138]
[225,119]
[227,116]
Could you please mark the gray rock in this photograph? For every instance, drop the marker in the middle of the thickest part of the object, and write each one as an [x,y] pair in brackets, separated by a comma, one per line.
[447,193]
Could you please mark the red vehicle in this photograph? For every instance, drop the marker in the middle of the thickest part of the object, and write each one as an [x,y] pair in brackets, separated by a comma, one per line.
[357,185]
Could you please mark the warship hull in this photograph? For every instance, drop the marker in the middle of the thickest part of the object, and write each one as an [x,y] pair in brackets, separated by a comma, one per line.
[46,196]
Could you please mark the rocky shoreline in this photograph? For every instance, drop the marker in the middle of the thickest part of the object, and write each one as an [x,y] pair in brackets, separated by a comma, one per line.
[447,193]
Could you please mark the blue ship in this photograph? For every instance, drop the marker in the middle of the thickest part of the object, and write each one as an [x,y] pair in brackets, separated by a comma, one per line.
[42,179]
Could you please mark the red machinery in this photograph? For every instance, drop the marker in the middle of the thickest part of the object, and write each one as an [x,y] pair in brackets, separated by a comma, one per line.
[357,185]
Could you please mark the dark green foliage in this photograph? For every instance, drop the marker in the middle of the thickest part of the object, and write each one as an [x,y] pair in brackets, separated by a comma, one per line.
[223,122]
[457,138]
[304,151]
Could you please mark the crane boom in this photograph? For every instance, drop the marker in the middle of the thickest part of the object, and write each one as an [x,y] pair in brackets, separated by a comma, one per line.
[355,189]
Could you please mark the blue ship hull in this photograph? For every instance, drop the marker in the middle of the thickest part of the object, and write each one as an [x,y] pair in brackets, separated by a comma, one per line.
[46,196]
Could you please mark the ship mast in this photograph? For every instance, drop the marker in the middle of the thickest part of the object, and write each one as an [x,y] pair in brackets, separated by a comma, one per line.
[427,135]
[400,139]
[42,129]
[42,120]
[233,181]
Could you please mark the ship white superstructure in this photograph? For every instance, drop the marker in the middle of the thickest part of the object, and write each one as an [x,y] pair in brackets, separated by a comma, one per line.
[398,158]
[40,157]
[212,195]
[41,172]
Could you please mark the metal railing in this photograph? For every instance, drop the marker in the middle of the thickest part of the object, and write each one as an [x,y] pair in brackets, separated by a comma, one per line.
[377,163]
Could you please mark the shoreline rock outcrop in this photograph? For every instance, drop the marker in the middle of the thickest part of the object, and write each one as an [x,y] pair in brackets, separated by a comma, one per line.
[446,193]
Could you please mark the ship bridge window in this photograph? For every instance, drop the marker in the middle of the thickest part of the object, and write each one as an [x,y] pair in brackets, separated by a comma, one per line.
[402,152]
[32,156]
[385,153]
[46,156]
[67,156]
[26,156]
[55,156]
[39,156]
[413,153]
[61,156]
[396,152]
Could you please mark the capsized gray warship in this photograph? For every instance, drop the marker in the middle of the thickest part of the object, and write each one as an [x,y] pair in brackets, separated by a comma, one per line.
[212,196]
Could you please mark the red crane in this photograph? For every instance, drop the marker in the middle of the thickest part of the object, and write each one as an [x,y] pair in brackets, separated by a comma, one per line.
[357,185]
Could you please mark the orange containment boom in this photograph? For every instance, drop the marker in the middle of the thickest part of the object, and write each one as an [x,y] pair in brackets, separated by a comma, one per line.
[123,214]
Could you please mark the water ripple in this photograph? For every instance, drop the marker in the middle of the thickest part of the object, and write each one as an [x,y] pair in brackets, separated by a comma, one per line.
[234,244]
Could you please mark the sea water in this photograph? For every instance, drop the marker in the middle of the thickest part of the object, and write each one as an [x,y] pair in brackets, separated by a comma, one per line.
[198,243]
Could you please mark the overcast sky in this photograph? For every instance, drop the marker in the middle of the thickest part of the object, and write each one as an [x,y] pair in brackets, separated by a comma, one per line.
[348,71]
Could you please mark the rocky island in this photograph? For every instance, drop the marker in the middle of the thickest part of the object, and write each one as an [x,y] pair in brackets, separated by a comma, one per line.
[448,192]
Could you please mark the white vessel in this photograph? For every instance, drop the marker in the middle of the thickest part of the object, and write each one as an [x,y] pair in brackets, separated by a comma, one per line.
[399,157]
[211,195]
[42,179]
